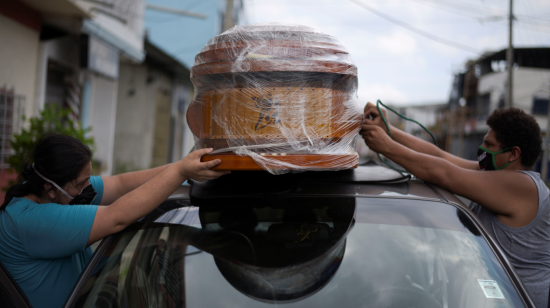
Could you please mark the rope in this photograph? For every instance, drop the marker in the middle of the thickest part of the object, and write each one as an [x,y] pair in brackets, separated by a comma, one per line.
[378,103]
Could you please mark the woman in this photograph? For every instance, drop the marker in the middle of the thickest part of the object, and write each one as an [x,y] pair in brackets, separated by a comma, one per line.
[48,223]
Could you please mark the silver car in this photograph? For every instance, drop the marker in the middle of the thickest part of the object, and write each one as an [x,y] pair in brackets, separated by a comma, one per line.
[369,237]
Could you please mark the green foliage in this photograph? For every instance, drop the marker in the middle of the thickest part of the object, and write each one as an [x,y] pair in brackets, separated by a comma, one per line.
[52,118]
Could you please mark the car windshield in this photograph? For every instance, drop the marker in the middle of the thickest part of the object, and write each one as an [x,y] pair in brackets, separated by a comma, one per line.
[302,252]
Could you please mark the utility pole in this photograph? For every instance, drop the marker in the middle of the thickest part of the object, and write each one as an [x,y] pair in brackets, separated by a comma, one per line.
[510,58]
[229,21]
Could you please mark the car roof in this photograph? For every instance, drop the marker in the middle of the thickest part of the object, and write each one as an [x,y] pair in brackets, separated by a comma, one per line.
[368,180]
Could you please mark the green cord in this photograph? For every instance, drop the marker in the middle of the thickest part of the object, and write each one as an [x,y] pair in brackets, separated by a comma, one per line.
[378,103]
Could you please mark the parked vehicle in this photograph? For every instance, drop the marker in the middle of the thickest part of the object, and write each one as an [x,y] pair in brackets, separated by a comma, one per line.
[369,237]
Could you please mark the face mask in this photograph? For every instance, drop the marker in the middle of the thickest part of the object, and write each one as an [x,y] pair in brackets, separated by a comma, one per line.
[86,195]
[487,159]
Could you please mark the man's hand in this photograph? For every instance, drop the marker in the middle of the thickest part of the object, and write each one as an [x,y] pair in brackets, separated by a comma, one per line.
[376,138]
[192,167]
[372,116]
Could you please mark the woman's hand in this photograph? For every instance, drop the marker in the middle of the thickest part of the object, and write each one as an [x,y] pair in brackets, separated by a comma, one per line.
[377,139]
[192,167]
[372,116]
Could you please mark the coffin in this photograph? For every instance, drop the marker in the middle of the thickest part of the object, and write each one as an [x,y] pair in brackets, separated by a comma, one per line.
[275,97]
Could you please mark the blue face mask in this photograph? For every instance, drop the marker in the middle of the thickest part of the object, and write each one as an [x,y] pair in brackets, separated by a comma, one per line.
[487,159]
[86,195]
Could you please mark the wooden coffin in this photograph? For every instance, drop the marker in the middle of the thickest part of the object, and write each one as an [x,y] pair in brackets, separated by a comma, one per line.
[284,94]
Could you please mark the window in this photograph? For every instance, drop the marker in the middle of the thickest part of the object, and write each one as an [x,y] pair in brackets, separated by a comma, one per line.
[483,105]
[540,106]
[11,109]
[304,252]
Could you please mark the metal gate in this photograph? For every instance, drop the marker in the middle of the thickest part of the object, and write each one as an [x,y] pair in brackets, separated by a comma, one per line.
[12,108]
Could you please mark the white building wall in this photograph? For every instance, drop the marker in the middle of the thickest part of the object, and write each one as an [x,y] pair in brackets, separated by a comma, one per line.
[528,83]
[18,58]
[426,115]
[102,119]
[493,84]
[188,140]
[138,89]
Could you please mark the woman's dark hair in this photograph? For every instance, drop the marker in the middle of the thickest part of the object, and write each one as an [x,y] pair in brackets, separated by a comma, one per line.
[57,157]
[514,127]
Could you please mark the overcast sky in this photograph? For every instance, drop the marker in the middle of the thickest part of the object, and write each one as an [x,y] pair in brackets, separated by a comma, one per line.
[397,65]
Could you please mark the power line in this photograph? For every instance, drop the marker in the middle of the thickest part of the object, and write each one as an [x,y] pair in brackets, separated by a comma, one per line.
[470,8]
[535,23]
[484,19]
[528,33]
[416,30]
[452,8]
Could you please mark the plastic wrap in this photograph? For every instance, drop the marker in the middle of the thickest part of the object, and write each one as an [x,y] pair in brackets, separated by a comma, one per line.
[283,95]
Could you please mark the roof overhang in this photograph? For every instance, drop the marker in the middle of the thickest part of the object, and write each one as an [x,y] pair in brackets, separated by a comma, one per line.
[58,7]
[538,57]
[93,28]
[158,56]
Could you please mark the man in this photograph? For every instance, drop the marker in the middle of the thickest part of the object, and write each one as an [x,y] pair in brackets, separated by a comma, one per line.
[511,201]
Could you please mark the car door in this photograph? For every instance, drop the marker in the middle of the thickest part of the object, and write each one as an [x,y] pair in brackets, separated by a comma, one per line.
[11,295]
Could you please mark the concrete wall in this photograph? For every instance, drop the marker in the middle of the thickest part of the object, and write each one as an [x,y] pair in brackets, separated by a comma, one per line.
[138,89]
[426,115]
[528,83]
[18,58]
[102,117]
[185,136]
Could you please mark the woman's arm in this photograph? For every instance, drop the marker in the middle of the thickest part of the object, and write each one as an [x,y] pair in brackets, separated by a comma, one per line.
[142,200]
[116,186]
[413,142]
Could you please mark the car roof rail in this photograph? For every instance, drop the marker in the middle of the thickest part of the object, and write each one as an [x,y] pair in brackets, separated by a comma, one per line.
[261,183]
[11,295]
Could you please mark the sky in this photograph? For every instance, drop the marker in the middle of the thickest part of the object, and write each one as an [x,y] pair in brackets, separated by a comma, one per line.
[183,36]
[398,66]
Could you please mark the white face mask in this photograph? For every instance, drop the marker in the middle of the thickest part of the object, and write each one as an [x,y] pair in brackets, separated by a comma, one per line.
[86,195]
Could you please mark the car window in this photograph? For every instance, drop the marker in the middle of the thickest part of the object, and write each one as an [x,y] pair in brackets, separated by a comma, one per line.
[318,252]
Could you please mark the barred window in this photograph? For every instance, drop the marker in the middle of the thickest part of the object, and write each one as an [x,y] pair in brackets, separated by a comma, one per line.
[11,109]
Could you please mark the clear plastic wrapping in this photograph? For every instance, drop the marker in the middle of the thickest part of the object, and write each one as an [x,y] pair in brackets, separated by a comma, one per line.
[283,95]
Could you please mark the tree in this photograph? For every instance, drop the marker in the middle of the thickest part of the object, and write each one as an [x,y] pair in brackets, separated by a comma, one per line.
[52,118]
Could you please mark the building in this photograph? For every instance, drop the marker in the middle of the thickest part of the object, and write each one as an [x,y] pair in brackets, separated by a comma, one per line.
[168,25]
[481,88]
[67,52]
[151,127]
[432,116]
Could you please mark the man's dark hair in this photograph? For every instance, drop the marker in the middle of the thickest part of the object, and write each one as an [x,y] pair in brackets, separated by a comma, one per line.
[514,127]
[58,157]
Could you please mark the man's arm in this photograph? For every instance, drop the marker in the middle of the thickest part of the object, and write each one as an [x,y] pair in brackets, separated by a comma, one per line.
[511,195]
[413,142]
[116,186]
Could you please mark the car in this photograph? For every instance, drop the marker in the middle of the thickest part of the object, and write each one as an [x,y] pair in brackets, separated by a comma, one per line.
[366,237]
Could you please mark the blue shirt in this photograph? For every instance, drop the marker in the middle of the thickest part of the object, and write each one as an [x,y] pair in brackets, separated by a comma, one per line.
[43,246]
